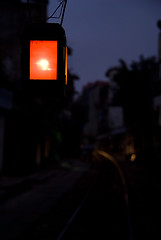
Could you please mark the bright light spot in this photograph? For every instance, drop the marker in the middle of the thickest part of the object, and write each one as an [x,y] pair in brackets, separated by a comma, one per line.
[133,157]
[43,64]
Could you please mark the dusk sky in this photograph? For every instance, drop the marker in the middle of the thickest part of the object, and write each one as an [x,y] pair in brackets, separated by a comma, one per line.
[100,32]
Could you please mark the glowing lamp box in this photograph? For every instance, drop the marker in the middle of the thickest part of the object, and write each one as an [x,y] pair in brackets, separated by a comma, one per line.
[44,58]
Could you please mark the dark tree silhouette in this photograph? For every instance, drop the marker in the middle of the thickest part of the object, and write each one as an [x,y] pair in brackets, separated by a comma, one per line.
[136,86]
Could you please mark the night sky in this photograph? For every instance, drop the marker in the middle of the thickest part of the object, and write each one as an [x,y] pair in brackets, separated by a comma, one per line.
[100,32]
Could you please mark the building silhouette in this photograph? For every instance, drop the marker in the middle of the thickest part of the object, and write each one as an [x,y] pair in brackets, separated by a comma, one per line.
[24,135]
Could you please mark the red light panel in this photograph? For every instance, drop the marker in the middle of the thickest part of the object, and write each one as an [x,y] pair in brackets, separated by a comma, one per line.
[43,60]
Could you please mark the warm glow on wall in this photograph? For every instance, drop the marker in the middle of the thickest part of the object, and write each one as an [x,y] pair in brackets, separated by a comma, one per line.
[43,60]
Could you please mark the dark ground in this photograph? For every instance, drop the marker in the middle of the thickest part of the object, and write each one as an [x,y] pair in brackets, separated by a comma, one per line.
[38,206]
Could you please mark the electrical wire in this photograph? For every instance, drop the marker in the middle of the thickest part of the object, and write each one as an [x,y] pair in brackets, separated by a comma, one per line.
[65,3]
[52,15]
[62,5]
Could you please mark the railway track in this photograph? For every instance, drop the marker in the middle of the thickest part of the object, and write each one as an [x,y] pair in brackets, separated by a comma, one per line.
[96,207]
[103,213]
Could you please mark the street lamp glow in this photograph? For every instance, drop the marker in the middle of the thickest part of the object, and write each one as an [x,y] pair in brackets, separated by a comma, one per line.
[43,64]
[43,60]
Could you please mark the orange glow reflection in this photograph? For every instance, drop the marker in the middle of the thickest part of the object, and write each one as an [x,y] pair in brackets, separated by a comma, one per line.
[43,60]
[133,157]
[66,67]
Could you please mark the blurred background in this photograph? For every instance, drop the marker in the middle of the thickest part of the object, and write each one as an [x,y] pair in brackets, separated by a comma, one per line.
[112,103]
[120,111]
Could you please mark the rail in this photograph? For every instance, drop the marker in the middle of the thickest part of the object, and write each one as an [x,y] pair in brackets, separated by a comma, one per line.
[107,156]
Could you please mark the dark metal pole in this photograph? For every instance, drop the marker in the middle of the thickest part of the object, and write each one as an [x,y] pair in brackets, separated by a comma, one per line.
[63,12]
